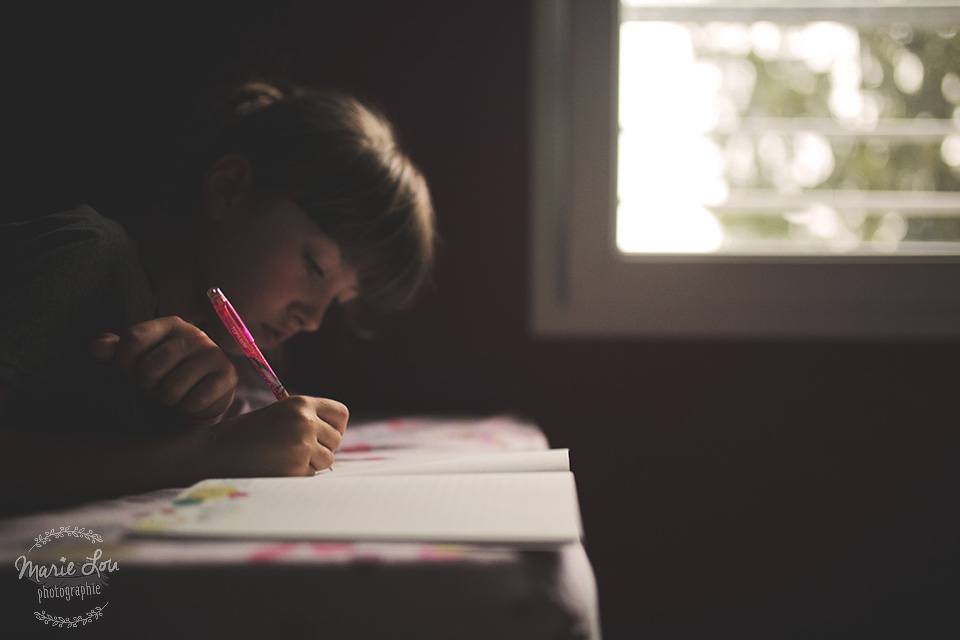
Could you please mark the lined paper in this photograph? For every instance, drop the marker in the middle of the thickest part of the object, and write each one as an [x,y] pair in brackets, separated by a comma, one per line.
[517,508]
[491,462]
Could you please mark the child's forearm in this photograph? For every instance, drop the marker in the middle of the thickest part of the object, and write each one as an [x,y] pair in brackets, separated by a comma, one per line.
[43,472]
[294,437]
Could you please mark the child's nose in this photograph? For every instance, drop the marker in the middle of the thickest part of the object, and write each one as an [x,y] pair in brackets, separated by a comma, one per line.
[311,316]
[312,324]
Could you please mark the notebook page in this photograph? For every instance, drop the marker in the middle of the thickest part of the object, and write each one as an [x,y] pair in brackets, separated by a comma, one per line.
[492,462]
[510,508]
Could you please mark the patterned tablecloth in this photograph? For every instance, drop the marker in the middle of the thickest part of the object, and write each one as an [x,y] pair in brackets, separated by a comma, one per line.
[159,588]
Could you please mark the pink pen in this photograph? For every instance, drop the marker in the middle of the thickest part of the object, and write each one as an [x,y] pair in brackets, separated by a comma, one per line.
[231,320]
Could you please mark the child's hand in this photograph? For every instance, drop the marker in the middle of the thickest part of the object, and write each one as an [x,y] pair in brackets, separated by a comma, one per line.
[175,362]
[296,436]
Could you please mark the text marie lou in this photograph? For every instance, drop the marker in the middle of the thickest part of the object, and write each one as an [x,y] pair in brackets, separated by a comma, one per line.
[95,565]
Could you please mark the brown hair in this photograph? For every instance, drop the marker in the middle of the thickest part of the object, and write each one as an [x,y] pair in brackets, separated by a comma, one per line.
[339,160]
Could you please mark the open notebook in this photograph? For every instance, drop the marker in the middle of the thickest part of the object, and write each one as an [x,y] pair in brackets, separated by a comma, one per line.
[515,498]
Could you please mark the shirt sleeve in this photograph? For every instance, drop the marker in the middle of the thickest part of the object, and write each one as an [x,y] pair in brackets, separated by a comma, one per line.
[70,277]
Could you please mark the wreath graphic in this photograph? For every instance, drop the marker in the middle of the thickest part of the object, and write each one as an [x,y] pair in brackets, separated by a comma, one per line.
[75,532]
[55,534]
[60,621]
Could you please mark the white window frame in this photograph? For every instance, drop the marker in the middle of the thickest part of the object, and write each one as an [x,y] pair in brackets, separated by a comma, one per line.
[583,286]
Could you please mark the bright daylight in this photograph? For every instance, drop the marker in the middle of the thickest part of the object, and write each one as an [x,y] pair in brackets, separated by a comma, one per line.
[771,139]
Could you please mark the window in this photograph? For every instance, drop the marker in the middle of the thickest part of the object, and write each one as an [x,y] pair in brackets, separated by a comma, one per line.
[747,169]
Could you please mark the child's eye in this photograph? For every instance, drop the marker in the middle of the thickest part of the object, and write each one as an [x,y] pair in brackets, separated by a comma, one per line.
[311,264]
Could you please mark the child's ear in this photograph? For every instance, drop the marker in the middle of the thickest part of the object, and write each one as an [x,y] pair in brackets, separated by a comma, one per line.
[225,184]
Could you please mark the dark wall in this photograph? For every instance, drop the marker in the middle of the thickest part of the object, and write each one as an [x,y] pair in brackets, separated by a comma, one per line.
[770,488]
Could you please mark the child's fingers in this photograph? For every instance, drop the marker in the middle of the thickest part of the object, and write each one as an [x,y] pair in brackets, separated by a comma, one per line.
[155,365]
[175,362]
[195,395]
[333,413]
[329,434]
[320,460]
[203,402]
[141,338]
[287,438]
[105,347]
[210,375]
[329,437]
[316,429]
[176,349]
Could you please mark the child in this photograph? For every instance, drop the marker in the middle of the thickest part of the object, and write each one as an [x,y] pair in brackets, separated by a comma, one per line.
[113,372]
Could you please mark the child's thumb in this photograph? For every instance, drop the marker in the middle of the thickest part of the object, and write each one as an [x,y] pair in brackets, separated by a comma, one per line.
[104,347]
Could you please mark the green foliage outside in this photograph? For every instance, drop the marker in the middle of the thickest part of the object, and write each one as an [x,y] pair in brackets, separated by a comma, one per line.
[793,88]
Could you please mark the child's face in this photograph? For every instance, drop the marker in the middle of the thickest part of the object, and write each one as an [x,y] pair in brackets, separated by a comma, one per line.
[277,269]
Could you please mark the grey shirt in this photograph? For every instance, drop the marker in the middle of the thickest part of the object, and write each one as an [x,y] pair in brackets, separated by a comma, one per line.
[65,279]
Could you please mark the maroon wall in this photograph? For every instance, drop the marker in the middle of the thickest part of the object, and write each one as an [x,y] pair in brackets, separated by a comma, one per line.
[748,485]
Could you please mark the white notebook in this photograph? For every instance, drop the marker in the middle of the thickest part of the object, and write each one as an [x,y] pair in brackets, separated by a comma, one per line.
[526,499]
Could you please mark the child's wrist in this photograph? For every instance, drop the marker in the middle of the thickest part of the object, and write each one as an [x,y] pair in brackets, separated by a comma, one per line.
[195,447]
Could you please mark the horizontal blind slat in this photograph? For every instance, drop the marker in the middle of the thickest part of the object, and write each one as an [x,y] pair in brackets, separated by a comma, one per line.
[931,14]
